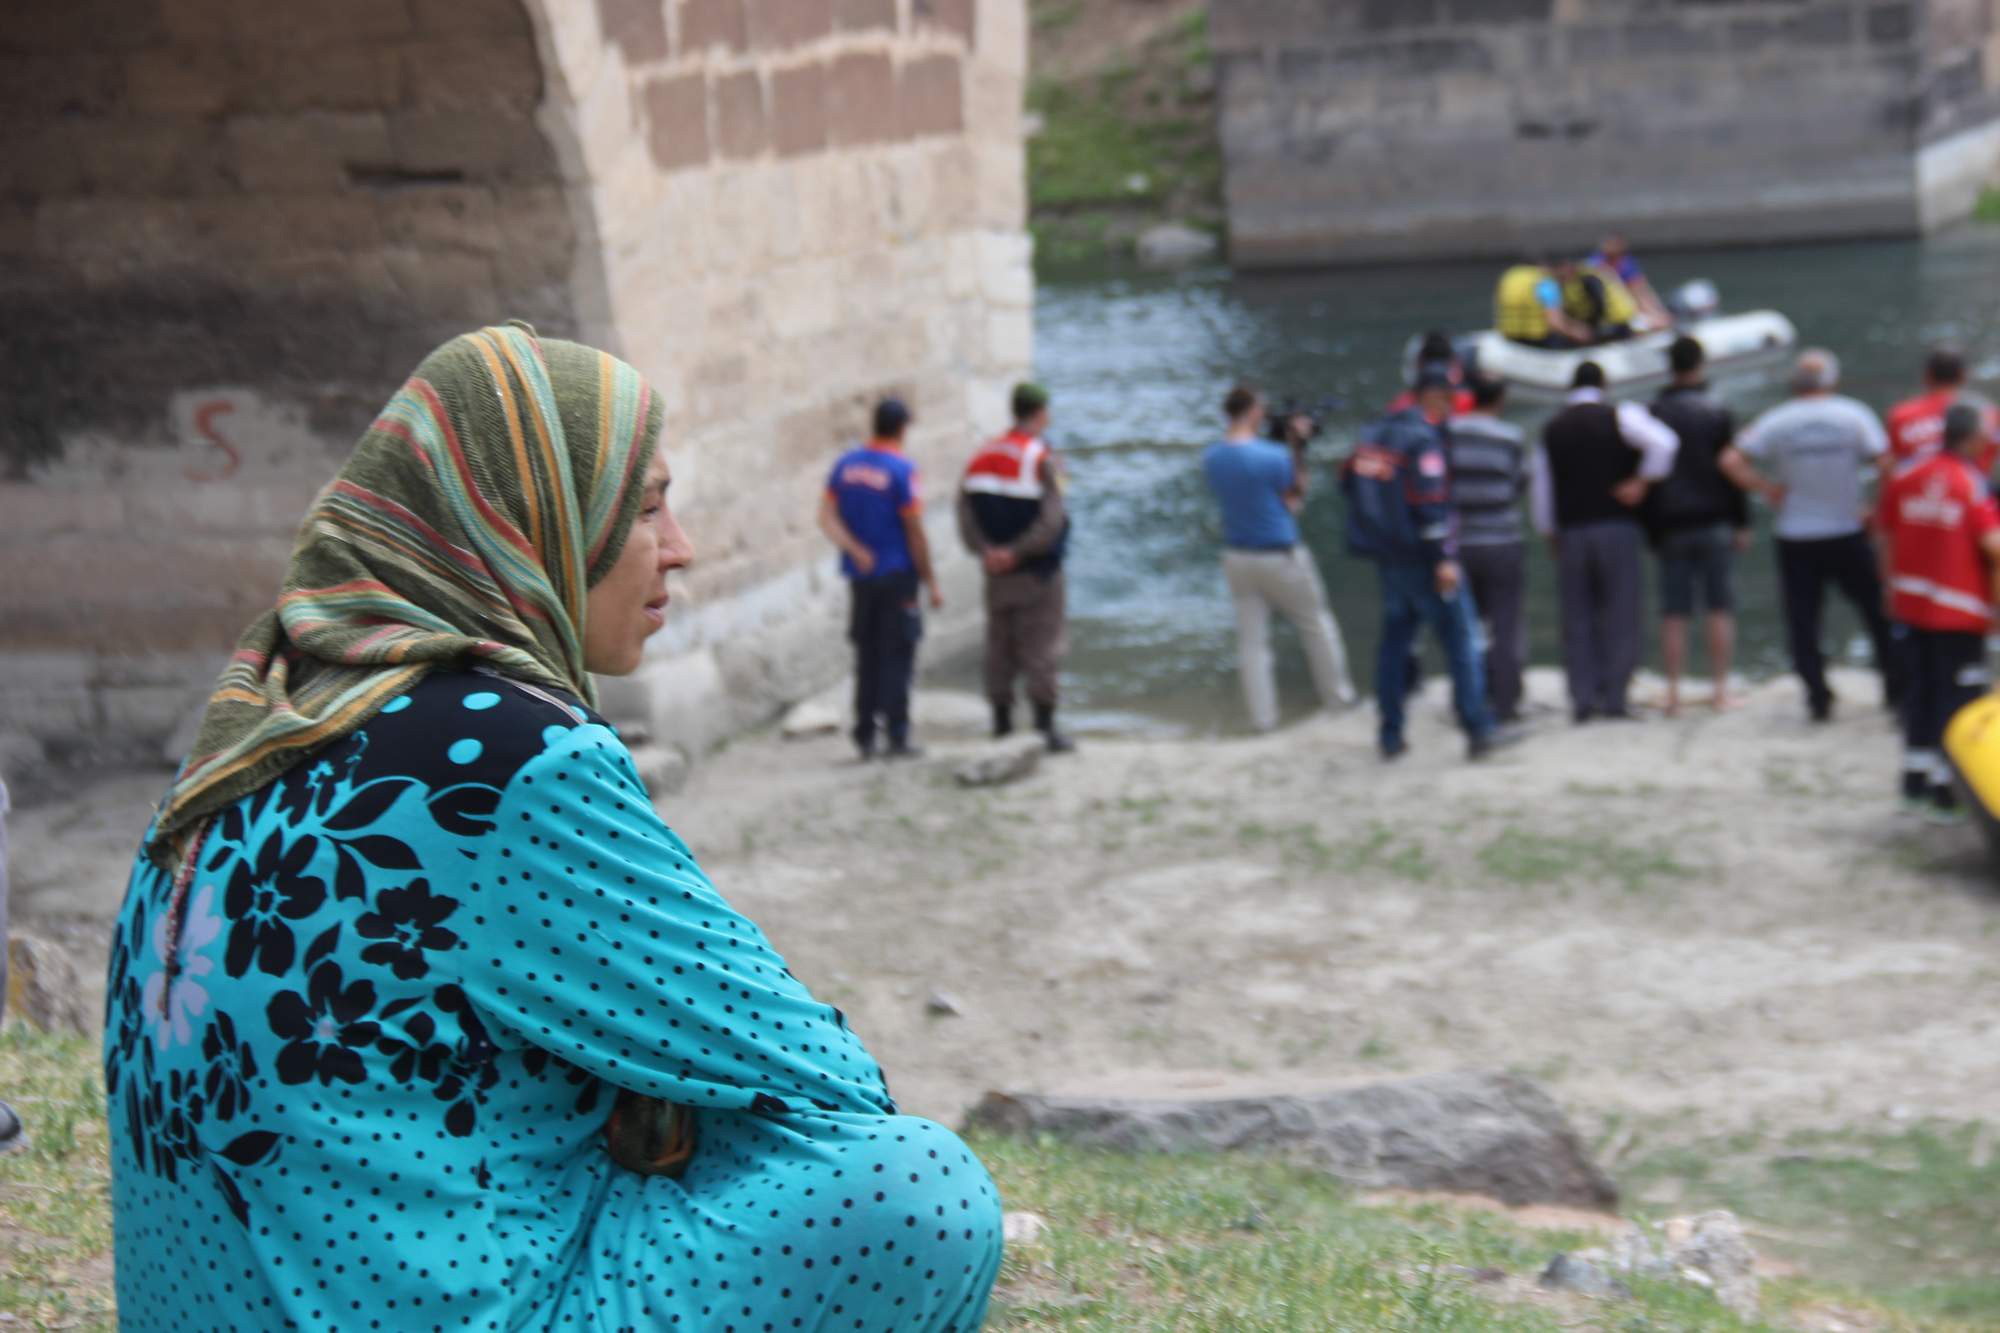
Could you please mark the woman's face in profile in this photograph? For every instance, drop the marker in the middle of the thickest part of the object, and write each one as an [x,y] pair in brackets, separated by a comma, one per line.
[629,604]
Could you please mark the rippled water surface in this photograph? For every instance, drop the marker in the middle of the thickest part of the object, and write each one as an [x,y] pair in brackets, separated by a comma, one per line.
[1138,364]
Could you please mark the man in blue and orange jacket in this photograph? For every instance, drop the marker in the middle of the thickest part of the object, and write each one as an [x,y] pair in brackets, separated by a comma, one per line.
[1397,484]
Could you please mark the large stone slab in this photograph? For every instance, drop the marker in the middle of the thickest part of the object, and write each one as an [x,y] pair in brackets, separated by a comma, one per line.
[1476,1132]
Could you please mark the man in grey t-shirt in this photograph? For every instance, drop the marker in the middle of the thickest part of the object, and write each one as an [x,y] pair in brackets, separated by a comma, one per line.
[1809,459]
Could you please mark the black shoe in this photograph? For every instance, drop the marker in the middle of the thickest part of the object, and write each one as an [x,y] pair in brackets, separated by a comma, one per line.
[1581,716]
[1391,753]
[1003,720]
[13,1137]
[903,750]
[1821,710]
[1045,722]
[1500,738]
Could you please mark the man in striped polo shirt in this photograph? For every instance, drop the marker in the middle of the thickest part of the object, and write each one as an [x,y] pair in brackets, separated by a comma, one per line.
[1489,475]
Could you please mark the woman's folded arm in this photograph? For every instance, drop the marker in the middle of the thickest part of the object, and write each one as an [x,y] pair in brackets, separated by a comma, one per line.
[593,934]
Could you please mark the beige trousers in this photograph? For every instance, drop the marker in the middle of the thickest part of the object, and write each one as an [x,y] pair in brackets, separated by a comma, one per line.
[1289,583]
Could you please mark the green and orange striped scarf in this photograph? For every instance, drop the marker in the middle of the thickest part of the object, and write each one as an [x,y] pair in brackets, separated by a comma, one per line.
[471,519]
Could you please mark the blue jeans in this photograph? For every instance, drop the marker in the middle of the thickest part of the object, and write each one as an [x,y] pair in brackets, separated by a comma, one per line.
[1409,601]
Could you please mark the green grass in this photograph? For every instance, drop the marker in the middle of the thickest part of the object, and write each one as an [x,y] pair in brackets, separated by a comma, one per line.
[1914,1217]
[1147,1244]
[1123,145]
[1988,207]
[1197,1243]
[55,1214]
[1526,857]
[1143,1244]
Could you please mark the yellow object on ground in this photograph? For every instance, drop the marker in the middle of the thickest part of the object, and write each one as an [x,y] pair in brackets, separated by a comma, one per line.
[1972,747]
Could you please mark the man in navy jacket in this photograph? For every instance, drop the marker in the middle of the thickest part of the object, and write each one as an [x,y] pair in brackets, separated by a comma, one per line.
[1397,484]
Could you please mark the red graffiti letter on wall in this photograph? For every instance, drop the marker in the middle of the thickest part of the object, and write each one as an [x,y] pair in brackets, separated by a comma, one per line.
[205,414]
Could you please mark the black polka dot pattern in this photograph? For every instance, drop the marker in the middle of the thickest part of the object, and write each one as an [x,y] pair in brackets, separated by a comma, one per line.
[410,975]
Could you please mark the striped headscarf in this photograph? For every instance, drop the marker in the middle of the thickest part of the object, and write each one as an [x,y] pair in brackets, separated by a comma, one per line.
[471,519]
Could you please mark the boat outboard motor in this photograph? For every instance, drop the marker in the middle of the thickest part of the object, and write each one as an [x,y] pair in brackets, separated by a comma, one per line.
[1694,300]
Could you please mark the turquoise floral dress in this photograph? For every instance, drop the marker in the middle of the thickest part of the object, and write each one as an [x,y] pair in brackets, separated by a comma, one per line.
[359,1066]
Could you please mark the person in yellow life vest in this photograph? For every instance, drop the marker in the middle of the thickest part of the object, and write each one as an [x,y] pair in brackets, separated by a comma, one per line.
[1595,296]
[1011,515]
[1528,308]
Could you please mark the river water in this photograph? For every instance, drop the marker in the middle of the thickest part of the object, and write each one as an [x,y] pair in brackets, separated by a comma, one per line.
[1138,362]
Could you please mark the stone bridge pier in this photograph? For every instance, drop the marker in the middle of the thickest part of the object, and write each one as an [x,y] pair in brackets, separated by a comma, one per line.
[230,228]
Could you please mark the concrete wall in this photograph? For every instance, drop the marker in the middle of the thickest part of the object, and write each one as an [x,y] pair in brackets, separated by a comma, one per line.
[1367,129]
[228,230]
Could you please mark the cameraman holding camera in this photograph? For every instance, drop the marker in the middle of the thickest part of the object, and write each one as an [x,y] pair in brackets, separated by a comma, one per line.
[1260,486]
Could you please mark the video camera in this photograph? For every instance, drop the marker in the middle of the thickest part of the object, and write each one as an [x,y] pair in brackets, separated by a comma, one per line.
[1295,423]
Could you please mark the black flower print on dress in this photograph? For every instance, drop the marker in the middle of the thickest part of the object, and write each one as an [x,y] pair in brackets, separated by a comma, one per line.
[172,1112]
[472,1073]
[406,923]
[325,1029]
[264,897]
[414,1056]
[231,1066]
[588,1085]
[310,790]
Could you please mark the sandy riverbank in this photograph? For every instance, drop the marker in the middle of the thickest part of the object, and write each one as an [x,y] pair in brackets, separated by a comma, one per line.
[1713,923]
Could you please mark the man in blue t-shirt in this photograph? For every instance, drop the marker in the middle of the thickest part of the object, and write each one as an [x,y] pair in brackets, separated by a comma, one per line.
[873,512]
[1260,486]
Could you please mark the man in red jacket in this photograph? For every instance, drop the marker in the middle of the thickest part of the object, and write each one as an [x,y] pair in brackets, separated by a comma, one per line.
[1942,531]
[1916,425]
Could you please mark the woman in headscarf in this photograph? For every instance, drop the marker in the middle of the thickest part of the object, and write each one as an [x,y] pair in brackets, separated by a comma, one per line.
[419,1017]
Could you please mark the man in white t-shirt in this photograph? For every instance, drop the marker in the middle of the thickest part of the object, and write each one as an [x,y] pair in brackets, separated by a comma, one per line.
[1810,459]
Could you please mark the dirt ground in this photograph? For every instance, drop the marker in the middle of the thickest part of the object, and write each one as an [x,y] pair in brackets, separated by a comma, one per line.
[1696,926]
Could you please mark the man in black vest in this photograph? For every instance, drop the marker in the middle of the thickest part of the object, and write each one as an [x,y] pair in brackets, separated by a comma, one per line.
[1701,521]
[1011,515]
[1586,483]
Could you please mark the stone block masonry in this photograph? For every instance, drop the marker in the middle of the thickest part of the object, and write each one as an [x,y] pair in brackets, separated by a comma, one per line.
[231,229]
[1404,129]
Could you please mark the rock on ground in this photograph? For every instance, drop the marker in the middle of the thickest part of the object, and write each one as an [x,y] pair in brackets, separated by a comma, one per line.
[663,768]
[952,713]
[1708,1250]
[45,987]
[1474,1132]
[1021,1228]
[1002,763]
[1573,1272]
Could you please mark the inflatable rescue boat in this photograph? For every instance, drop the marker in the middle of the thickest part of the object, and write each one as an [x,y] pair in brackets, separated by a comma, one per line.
[1731,341]
[1636,364]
